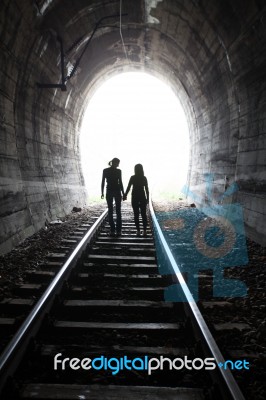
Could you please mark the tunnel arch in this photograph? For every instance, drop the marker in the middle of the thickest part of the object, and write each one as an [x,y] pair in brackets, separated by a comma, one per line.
[138,118]
[211,53]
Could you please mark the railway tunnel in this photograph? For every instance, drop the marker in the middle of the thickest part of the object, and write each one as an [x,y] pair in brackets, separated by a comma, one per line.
[54,56]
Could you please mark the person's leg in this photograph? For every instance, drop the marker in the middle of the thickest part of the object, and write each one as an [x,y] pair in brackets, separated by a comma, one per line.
[135,206]
[109,199]
[118,213]
[144,216]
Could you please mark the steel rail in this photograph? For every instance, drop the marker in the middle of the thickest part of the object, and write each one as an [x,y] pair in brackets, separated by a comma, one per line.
[226,375]
[18,344]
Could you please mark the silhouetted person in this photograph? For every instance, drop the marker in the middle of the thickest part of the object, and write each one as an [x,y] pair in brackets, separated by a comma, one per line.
[140,197]
[113,176]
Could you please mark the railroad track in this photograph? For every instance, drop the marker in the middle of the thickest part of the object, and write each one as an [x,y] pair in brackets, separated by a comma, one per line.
[105,309]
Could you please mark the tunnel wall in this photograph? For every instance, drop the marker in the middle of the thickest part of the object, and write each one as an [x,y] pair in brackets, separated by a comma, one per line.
[230,142]
[41,177]
[212,54]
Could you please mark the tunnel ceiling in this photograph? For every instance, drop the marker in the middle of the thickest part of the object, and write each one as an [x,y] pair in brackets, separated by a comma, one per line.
[211,52]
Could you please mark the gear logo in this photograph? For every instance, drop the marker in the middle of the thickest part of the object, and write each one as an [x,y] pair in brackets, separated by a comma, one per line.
[211,237]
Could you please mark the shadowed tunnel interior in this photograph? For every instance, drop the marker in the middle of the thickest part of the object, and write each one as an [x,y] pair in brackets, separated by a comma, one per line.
[212,54]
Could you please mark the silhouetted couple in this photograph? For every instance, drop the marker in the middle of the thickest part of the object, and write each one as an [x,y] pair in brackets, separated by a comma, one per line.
[115,192]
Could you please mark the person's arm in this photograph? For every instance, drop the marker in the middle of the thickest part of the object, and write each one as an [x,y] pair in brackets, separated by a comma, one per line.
[146,189]
[102,186]
[121,183]
[128,187]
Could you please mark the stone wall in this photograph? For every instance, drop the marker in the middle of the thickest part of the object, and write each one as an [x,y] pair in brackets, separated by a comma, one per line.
[40,173]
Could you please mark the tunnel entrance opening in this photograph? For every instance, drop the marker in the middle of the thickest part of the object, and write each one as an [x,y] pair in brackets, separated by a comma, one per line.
[137,118]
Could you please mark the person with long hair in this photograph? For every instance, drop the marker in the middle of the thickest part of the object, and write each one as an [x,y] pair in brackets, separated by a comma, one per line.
[139,198]
[113,177]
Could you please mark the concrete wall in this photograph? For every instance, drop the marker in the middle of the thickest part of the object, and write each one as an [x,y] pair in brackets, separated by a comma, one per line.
[39,165]
[232,120]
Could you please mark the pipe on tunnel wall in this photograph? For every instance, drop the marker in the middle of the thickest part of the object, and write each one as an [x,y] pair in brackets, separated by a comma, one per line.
[212,55]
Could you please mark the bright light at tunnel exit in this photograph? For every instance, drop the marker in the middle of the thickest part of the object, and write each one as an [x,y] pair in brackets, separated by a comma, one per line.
[138,119]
